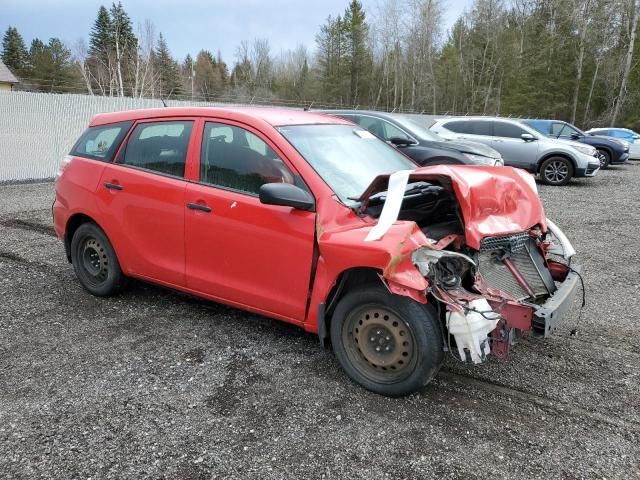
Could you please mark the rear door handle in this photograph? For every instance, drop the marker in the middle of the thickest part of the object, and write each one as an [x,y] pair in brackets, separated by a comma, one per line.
[113,186]
[198,206]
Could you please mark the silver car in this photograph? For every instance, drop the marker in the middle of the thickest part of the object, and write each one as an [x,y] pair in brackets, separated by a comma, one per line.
[556,162]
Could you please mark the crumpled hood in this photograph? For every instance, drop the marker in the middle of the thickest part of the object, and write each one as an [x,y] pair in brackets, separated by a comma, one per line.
[493,200]
[475,148]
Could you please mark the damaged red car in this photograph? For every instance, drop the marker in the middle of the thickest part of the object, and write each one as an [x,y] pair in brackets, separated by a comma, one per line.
[312,220]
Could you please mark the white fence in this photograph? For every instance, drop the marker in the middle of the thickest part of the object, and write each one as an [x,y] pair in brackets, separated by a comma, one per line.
[38,129]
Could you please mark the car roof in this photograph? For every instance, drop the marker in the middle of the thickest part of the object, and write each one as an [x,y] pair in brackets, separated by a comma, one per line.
[480,117]
[273,116]
[373,113]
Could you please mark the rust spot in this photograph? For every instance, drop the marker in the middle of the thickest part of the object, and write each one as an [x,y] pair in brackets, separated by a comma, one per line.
[319,229]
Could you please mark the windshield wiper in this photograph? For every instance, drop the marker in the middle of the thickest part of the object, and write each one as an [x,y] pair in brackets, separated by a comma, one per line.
[421,188]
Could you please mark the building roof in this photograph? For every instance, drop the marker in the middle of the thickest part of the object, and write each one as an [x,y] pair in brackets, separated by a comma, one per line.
[273,116]
[5,74]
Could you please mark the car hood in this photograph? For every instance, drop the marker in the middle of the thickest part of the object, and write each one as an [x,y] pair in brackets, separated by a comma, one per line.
[475,148]
[571,143]
[493,200]
[602,140]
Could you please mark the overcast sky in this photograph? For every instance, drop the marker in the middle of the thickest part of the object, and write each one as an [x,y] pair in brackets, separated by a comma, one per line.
[191,25]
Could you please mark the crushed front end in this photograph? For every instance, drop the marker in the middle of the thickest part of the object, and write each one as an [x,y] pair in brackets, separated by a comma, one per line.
[512,284]
[495,265]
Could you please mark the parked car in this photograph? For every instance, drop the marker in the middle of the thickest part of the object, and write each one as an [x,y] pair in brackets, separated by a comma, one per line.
[624,135]
[312,220]
[521,146]
[610,150]
[418,142]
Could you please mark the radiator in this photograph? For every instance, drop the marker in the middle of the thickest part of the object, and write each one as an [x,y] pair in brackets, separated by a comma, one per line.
[526,258]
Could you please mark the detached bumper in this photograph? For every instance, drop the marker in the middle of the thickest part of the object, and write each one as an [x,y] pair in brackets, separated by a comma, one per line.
[548,316]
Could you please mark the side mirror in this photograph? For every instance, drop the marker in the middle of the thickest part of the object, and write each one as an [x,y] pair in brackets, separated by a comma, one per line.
[401,141]
[527,137]
[286,195]
[575,136]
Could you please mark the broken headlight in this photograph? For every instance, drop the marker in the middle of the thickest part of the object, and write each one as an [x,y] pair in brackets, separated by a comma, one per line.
[442,267]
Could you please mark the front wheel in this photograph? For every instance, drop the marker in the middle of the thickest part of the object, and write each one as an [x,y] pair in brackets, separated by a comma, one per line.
[387,343]
[604,157]
[556,171]
[95,261]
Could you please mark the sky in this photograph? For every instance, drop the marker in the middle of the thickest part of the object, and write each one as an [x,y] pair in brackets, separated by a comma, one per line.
[192,25]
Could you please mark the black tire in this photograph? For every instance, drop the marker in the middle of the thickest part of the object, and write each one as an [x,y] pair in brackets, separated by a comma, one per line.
[387,343]
[604,157]
[95,261]
[556,171]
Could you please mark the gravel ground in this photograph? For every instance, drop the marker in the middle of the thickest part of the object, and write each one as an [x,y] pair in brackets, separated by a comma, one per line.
[155,384]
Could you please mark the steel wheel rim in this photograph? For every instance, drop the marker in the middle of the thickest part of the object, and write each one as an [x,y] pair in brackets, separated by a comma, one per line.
[94,261]
[556,171]
[379,344]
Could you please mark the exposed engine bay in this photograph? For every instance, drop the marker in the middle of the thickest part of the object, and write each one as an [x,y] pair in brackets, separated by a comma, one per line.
[511,284]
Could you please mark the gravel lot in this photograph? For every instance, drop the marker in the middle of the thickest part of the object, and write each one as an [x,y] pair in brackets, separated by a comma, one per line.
[155,384]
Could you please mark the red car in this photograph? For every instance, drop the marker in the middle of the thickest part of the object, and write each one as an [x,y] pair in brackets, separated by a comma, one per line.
[295,215]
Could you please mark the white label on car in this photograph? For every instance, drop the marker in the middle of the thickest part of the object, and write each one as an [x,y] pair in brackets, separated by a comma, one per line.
[391,209]
[364,134]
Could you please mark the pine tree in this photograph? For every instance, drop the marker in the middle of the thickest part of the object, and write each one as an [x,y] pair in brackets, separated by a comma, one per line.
[125,43]
[51,67]
[207,82]
[167,67]
[358,55]
[100,37]
[14,51]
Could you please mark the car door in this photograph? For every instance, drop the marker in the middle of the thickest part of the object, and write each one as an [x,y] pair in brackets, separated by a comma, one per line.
[141,197]
[239,250]
[517,152]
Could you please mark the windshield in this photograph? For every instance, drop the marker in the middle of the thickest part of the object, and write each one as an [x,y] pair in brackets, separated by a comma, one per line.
[347,157]
[417,129]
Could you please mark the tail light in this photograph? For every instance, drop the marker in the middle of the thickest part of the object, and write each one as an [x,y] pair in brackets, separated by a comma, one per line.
[66,160]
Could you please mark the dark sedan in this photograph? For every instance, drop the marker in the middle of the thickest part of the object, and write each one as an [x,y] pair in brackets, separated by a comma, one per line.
[416,141]
[610,150]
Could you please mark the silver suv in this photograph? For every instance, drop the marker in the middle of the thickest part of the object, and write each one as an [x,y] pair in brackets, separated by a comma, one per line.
[521,146]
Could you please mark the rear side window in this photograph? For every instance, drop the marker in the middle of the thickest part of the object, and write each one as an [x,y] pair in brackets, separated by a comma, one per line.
[159,146]
[470,127]
[504,129]
[101,143]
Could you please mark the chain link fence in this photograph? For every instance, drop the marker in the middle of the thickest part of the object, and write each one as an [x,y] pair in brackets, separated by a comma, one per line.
[38,129]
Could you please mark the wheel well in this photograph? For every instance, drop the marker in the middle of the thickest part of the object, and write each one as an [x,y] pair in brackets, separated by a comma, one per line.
[606,149]
[357,276]
[72,225]
[561,155]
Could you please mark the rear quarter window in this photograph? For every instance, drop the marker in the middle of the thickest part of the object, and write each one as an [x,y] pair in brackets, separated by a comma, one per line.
[101,143]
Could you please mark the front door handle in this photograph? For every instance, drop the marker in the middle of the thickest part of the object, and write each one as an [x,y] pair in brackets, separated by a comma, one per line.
[113,186]
[199,206]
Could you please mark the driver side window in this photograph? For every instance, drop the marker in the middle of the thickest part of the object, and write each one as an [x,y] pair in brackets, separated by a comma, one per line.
[235,158]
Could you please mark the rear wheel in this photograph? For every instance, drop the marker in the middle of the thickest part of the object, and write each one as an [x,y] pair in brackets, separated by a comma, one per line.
[556,171]
[387,343]
[604,157]
[95,261]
